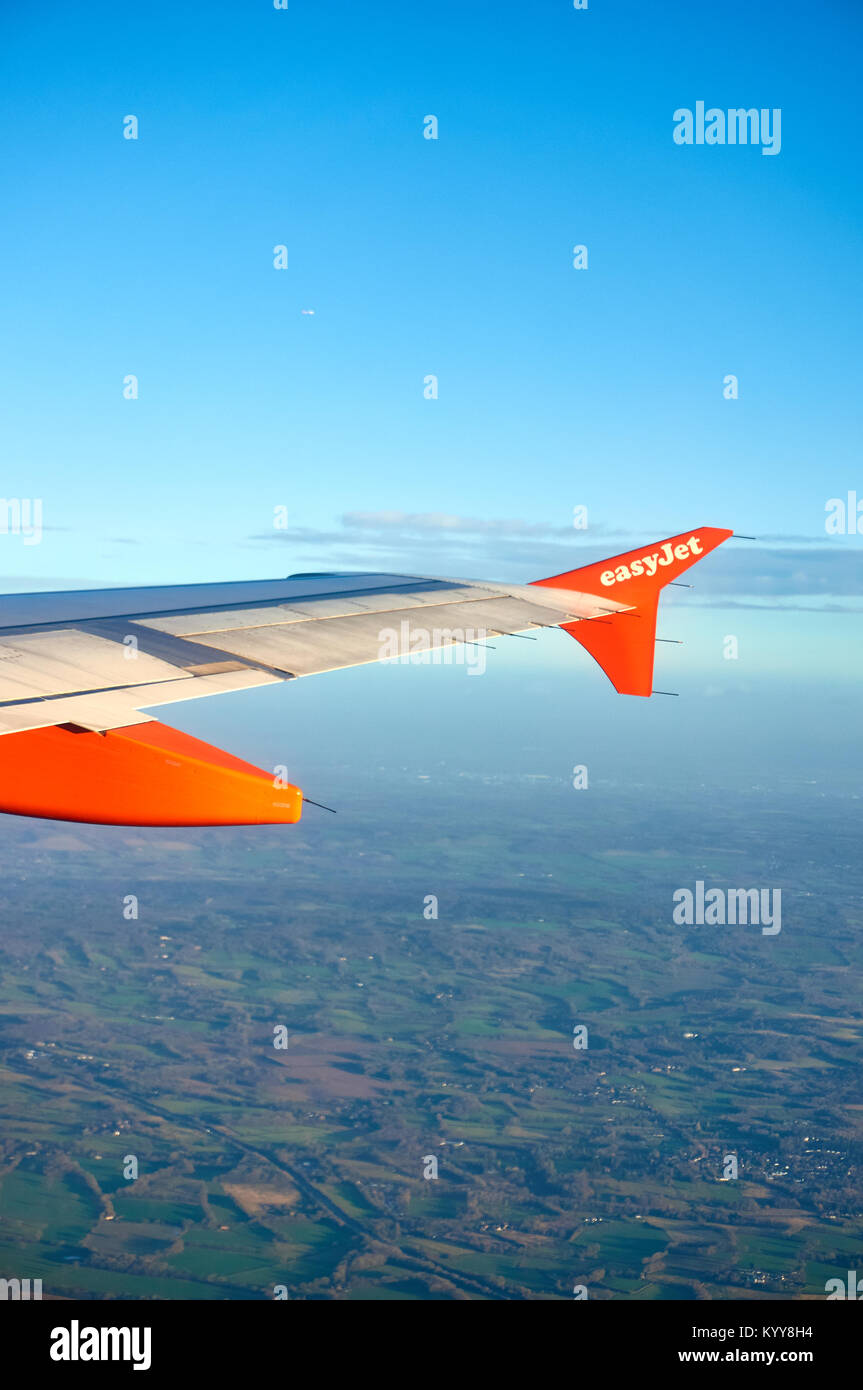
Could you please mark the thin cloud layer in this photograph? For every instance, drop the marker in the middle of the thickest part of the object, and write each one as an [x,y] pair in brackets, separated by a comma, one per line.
[443,543]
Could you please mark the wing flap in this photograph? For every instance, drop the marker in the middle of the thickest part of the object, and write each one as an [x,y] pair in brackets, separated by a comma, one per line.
[36,664]
[309,648]
[114,709]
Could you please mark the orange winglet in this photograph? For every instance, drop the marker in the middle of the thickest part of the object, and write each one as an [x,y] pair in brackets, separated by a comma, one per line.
[623,643]
[145,774]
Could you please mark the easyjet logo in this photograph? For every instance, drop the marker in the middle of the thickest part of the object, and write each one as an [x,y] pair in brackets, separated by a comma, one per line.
[649,564]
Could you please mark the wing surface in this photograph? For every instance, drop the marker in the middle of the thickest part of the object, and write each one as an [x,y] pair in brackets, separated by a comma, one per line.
[79,671]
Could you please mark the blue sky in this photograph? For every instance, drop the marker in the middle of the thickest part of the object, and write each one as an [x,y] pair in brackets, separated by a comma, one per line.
[451,257]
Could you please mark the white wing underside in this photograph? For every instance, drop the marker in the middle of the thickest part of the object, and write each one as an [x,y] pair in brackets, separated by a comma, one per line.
[99,658]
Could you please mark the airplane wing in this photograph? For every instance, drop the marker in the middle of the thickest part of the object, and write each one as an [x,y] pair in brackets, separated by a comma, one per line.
[80,670]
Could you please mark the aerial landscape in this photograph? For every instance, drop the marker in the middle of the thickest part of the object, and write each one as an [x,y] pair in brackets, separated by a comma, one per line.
[283,1036]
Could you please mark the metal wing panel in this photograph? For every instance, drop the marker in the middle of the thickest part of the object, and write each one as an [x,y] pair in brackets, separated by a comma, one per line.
[55,663]
[115,709]
[228,620]
[79,605]
[81,674]
[309,648]
[266,615]
[385,603]
[301,649]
